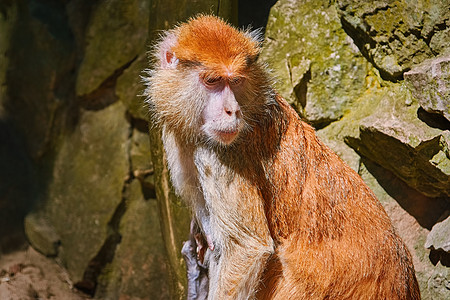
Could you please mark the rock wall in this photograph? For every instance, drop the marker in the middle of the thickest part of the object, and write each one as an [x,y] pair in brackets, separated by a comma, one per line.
[373,77]
[69,100]
[76,176]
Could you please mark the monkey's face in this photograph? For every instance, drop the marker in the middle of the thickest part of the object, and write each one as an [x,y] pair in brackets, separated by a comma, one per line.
[221,116]
[198,104]
[207,85]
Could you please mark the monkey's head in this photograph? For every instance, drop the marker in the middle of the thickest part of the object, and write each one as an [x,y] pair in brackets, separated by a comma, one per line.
[207,84]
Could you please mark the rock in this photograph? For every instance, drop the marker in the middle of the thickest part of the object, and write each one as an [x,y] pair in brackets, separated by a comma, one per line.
[8,17]
[362,107]
[140,269]
[140,152]
[318,68]
[141,164]
[40,74]
[41,235]
[430,85]
[129,88]
[85,190]
[18,185]
[439,237]
[115,36]
[396,139]
[439,283]
[395,35]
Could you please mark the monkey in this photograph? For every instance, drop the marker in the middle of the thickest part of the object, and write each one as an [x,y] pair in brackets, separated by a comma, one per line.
[282,215]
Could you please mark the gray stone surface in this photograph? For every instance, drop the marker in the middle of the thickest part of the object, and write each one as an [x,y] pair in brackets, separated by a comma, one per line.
[140,267]
[430,85]
[41,235]
[439,237]
[395,35]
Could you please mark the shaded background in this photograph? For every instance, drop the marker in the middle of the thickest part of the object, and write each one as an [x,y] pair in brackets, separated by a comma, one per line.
[77,181]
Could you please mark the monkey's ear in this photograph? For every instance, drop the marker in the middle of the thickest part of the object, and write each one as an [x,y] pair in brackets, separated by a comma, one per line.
[167,57]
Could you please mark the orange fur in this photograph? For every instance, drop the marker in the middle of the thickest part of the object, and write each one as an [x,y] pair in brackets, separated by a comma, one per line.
[335,241]
[216,45]
[288,218]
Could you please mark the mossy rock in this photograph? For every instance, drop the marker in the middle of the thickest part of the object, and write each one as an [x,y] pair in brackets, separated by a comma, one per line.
[429,83]
[396,139]
[141,164]
[116,35]
[129,88]
[140,269]
[41,58]
[41,235]
[395,35]
[318,68]
[86,186]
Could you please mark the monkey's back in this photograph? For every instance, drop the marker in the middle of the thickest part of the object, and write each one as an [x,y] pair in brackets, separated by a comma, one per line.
[334,239]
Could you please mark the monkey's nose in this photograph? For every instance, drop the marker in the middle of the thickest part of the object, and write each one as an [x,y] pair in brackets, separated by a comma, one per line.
[231,108]
[233,113]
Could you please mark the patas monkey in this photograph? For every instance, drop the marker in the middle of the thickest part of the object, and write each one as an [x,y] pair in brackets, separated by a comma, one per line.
[283,216]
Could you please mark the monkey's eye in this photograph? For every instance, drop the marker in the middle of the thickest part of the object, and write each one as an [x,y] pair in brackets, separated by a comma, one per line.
[236,80]
[212,81]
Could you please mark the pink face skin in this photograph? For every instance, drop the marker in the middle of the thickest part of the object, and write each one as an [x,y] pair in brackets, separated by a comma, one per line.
[222,117]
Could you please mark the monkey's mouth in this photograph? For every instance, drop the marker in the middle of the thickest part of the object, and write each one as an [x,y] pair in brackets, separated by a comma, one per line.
[226,136]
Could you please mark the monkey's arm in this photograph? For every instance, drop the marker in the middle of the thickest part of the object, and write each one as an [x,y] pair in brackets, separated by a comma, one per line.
[236,274]
[238,228]
[242,256]
[185,180]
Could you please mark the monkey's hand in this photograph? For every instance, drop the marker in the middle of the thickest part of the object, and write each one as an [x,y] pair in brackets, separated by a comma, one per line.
[201,243]
[210,242]
[197,275]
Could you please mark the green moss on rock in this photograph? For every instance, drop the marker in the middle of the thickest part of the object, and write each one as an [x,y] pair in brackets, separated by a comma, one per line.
[396,139]
[41,235]
[318,68]
[395,35]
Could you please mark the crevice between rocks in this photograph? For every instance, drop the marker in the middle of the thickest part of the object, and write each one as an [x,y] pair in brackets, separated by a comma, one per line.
[436,28]
[107,251]
[432,119]
[104,95]
[147,187]
[301,89]
[376,10]
[425,209]
[361,39]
